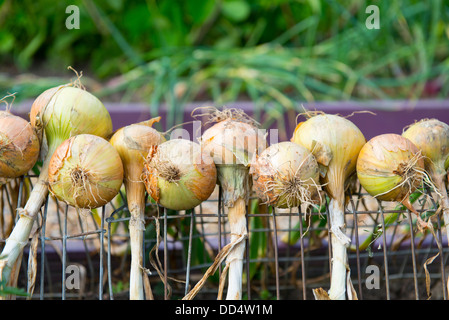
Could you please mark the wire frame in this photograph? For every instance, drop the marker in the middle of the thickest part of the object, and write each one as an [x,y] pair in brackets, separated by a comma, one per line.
[85,255]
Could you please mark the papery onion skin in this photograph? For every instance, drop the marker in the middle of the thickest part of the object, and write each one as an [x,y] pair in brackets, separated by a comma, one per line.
[133,143]
[56,115]
[282,166]
[335,142]
[179,175]
[19,146]
[65,111]
[344,141]
[85,171]
[381,167]
[431,136]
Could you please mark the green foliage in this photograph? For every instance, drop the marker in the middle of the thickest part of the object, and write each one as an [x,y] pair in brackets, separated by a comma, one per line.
[274,53]
[6,290]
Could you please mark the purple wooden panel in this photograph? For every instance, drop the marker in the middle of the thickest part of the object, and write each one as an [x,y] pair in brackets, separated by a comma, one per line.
[391,116]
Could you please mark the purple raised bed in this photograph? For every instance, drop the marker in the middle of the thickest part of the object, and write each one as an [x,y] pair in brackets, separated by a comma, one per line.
[391,116]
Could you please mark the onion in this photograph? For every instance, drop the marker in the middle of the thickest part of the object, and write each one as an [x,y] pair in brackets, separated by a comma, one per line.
[179,175]
[390,168]
[56,115]
[285,175]
[335,142]
[431,136]
[19,146]
[85,171]
[133,143]
[232,141]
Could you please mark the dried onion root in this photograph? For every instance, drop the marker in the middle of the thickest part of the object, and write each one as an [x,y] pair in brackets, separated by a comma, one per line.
[179,175]
[286,175]
[85,172]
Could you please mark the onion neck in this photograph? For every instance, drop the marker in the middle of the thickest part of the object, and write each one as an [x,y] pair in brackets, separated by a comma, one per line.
[340,243]
[236,184]
[135,193]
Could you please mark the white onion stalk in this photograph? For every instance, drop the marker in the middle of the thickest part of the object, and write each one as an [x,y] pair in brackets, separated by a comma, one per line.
[56,115]
[286,175]
[335,141]
[431,136]
[233,141]
[133,143]
[85,171]
[179,175]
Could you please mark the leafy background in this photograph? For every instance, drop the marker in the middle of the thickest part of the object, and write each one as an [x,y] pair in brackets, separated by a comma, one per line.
[280,52]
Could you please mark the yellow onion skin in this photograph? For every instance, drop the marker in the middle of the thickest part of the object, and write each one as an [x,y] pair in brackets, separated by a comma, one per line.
[19,146]
[232,142]
[431,136]
[336,142]
[381,167]
[65,111]
[179,175]
[85,171]
[281,171]
[133,143]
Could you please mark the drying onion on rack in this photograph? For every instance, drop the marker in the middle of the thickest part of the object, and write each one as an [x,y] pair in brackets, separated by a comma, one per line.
[85,172]
[335,142]
[232,141]
[286,175]
[133,143]
[179,175]
[431,136]
[19,145]
[390,168]
[56,115]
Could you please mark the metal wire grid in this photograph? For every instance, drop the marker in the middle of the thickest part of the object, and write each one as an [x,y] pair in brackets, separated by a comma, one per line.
[285,271]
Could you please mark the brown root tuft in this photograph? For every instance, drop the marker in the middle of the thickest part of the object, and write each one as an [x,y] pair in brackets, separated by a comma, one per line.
[214,115]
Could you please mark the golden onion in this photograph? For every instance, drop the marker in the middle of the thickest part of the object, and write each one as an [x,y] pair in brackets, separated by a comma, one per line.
[56,115]
[431,136]
[285,175]
[179,175]
[335,142]
[85,171]
[390,168]
[133,143]
[19,146]
[233,140]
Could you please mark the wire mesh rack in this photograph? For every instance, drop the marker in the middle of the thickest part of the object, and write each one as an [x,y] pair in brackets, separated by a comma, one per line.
[75,254]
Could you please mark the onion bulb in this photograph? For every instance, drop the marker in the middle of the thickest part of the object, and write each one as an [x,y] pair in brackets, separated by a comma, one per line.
[233,140]
[285,175]
[56,115]
[133,143]
[85,172]
[390,168]
[431,136]
[179,175]
[335,142]
[19,146]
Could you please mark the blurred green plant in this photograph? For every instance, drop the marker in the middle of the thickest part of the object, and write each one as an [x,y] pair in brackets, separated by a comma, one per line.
[273,53]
